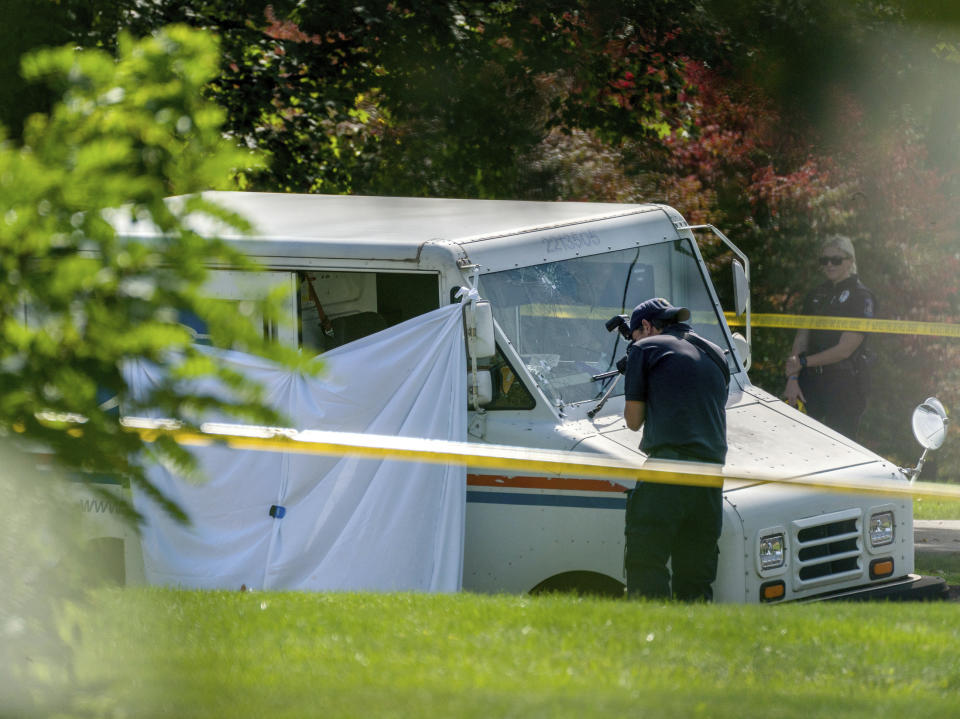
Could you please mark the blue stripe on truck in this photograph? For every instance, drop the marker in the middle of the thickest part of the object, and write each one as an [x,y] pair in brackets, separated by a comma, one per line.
[547,500]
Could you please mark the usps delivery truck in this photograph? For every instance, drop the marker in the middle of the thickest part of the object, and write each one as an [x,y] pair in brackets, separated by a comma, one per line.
[554,273]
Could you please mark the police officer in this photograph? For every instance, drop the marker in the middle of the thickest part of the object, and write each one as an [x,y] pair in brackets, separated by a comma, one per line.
[676,389]
[827,369]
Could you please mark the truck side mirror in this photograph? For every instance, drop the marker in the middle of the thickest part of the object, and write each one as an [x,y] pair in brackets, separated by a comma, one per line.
[930,423]
[741,289]
[484,344]
[480,388]
[930,428]
[741,304]
[743,348]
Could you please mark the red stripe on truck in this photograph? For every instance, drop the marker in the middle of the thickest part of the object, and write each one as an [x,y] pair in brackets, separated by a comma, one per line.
[558,483]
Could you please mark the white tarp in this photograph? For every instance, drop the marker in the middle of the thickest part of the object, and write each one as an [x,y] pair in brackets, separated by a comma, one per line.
[347,524]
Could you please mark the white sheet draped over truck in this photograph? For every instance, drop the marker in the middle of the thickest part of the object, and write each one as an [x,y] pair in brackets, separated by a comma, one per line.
[346,524]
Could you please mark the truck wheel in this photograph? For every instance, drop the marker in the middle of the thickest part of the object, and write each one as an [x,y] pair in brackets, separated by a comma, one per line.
[584,583]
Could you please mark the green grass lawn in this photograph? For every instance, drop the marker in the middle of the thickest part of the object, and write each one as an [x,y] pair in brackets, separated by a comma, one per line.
[939,564]
[152,652]
[936,508]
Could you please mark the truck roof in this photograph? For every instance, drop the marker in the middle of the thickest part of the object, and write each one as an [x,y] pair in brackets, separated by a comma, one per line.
[387,227]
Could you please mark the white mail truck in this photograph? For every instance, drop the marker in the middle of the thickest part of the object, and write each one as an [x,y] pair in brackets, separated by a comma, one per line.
[554,273]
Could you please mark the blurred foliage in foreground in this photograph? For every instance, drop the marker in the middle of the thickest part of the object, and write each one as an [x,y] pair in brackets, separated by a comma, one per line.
[76,301]
[45,577]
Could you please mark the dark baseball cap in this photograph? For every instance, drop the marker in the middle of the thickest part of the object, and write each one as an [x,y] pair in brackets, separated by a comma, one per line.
[657,309]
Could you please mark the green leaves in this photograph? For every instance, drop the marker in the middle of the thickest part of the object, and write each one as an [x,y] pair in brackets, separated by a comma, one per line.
[77,299]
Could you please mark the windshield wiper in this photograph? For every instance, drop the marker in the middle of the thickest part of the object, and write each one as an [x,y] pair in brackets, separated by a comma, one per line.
[606,396]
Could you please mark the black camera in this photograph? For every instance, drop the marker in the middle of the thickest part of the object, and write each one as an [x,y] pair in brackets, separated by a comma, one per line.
[619,322]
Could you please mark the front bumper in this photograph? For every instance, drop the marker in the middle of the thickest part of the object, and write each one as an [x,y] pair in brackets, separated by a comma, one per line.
[912,588]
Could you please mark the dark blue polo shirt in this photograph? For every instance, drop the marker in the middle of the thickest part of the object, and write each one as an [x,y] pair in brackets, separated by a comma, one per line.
[847,298]
[685,394]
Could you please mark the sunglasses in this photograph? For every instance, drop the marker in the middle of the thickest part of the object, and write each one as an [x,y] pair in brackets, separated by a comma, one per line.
[834,260]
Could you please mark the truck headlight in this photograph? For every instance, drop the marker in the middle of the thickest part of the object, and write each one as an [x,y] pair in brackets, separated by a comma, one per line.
[882,529]
[772,553]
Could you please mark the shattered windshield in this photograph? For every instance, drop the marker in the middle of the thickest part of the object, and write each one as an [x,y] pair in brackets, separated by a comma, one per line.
[555,313]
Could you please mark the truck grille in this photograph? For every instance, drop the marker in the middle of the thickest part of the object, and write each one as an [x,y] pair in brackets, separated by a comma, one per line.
[827,549]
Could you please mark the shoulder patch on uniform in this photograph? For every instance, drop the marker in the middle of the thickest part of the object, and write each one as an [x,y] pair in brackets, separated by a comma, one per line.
[868,307]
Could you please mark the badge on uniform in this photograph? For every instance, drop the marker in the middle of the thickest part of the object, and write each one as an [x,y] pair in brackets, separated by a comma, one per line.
[844,296]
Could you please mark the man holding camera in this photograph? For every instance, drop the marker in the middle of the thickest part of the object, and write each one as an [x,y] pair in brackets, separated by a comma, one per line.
[676,389]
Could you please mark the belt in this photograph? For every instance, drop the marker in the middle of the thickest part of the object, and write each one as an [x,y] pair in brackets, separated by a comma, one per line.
[830,368]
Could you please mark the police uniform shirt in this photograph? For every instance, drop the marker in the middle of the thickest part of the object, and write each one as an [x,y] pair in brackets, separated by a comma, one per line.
[685,397]
[847,298]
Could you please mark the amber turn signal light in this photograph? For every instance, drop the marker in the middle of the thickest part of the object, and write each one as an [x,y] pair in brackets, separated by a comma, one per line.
[880,568]
[772,591]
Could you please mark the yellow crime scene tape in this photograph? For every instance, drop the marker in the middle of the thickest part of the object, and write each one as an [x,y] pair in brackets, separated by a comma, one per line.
[781,321]
[505,457]
[847,324]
